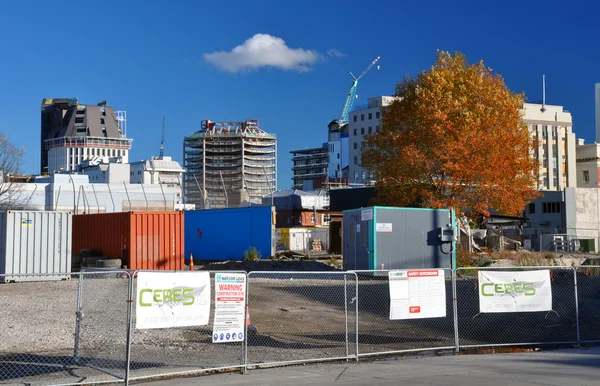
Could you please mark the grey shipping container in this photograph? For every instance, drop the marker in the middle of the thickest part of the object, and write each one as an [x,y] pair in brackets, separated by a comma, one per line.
[35,245]
[385,238]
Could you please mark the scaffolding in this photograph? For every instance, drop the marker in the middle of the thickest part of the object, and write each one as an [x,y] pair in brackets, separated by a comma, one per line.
[228,163]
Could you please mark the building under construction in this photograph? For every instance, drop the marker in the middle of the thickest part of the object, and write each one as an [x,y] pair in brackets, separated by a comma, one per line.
[228,163]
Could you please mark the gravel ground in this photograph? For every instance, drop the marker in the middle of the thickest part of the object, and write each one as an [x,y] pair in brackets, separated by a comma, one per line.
[294,317]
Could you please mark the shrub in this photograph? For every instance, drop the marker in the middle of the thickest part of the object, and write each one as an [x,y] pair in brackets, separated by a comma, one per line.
[251,254]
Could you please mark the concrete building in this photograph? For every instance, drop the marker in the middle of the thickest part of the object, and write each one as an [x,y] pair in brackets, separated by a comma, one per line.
[553,127]
[588,165]
[363,120]
[597,97]
[339,154]
[72,133]
[162,170]
[228,163]
[309,165]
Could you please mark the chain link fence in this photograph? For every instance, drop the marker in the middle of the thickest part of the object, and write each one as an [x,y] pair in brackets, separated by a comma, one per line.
[82,329]
[298,317]
[484,329]
[588,296]
[380,334]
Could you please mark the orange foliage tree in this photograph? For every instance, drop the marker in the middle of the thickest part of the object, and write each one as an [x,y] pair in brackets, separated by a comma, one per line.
[454,138]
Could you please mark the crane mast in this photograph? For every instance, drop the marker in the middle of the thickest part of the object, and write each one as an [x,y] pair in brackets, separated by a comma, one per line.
[162,140]
[352,93]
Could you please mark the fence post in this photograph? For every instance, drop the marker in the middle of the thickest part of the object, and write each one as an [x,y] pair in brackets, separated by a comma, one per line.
[346,313]
[78,318]
[576,306]
[356,312]
[130,301]
[455,311]
[245,342]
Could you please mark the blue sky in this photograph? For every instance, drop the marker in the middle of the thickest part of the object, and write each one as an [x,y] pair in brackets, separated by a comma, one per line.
[150,59]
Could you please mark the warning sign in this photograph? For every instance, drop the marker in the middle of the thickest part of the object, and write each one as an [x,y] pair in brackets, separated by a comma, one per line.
[417,294]
[230,305]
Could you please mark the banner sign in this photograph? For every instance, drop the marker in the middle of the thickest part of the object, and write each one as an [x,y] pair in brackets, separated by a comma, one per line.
[172,299]
[230,307]
[417,294]
[523,291]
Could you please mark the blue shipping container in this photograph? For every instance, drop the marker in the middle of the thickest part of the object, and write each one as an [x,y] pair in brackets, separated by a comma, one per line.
[225,234]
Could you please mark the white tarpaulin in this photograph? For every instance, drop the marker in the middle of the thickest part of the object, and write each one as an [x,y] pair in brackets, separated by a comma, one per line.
[172,299]
[417,294]
[230,307]
[525,291]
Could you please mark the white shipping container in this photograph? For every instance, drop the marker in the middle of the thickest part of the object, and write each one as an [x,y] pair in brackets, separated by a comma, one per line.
[36,244]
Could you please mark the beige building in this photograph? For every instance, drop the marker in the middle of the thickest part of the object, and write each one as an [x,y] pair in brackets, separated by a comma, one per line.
[588,164]
[556,151]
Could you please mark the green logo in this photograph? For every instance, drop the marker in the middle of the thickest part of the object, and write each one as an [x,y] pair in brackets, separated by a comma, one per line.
[494,289]
[150,296]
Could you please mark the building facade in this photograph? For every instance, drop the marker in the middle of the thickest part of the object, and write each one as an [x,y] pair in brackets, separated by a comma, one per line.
[161,170]
[309,165]
[552,126]
[597,98]
[72,133]
[228,163]
[362,121]
[339,155]
[588,165]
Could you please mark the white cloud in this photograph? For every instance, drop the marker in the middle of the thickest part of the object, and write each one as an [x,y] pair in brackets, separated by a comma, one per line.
[263,50]
[335,53]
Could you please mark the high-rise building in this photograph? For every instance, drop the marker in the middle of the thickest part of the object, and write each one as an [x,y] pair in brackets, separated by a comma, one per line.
[362,121]
[309,166]
[552,126]
[228,163]
[72,133]
[597,97]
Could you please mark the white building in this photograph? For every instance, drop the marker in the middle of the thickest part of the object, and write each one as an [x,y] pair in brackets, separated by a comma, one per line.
[339,155]
[362,121]
[73,192]
[597,97]
[553,127]
[161,170]
[588,163]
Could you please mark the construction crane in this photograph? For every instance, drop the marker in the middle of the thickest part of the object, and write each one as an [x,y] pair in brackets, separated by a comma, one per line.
[352,93]
[162,140]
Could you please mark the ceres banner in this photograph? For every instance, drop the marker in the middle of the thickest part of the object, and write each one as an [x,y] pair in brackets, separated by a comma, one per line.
[172,299]
[527,291]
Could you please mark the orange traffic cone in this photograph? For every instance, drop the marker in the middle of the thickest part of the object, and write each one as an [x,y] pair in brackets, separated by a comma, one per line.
[248,322]
[191,262]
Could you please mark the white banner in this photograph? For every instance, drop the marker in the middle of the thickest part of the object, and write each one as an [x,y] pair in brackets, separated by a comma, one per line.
[172,299]
[417,294]
[523,291]
[230,305]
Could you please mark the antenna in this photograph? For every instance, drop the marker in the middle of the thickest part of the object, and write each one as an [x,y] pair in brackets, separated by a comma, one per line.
[543,93]
[162,140]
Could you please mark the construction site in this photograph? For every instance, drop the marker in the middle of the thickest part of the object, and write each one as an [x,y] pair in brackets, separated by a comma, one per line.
[229,163]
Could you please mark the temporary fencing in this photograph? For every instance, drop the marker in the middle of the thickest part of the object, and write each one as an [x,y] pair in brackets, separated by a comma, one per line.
[85,330]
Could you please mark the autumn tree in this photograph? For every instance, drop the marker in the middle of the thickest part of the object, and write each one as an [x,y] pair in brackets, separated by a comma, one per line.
[10,162]
[454,138]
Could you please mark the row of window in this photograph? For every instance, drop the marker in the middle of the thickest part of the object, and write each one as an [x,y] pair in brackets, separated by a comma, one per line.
[362,130]
[547,207]
[370,116]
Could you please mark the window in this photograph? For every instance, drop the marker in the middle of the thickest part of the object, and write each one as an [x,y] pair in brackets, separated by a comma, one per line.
[363,144]
[355,160]
[370,115]
[362,131]
[79,120]
[532,208]
[377,115]
[551,207]
[102,121]
[355,146]
[370,130]
[364,175]
[377,129]
[586,176]
[355,176]
[355,117]
[362,117]
[355,131]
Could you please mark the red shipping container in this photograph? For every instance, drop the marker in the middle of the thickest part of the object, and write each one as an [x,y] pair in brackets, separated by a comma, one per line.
[142,240]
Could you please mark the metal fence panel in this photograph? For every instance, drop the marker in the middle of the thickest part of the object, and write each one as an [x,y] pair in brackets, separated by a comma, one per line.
[182,350]
[476,329]
[37,336]
[378,334]
[299,317]
[588,294]
[102,321]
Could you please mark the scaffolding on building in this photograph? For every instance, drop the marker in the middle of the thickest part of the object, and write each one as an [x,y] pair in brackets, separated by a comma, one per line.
[228,163]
